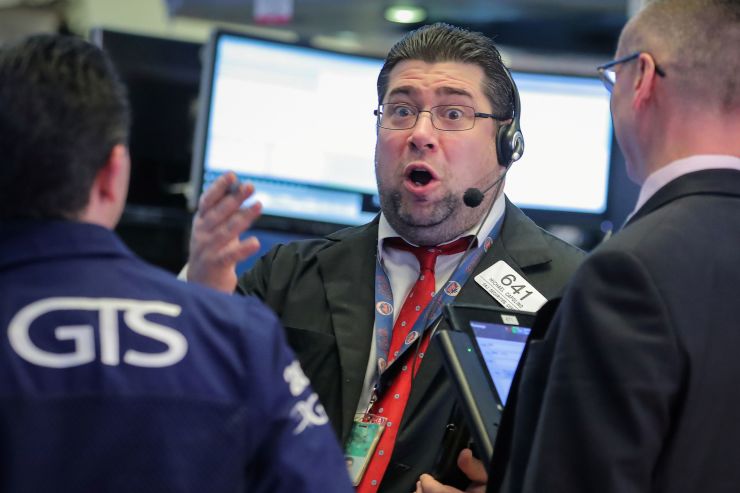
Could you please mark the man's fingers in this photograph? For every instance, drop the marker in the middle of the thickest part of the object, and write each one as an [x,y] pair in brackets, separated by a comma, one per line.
[427,484]
[223,209]
[245,249]
[232,227]
[217,268]
[217,190]
[227,231]
[226,257]
[220,210]
[473,468]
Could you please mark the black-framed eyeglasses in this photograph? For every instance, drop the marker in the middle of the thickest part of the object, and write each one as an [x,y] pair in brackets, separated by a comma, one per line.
[608,75]
[448,117]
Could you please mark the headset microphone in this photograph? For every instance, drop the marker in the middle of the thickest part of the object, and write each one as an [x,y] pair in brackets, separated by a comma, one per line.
[474,196]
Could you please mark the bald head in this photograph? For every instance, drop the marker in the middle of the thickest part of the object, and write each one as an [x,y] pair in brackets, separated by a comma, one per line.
[696,43]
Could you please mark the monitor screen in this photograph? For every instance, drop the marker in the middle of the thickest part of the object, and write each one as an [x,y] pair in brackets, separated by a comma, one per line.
[267,118]
[566,124]
[263,115]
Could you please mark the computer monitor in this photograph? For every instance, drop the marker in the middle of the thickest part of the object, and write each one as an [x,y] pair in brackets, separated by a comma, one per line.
[567,130]
[260,117]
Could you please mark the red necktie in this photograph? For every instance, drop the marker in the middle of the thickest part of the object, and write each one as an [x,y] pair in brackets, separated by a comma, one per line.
[393,401]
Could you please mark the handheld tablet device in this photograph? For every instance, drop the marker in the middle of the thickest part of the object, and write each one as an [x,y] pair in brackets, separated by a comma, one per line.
[482,354]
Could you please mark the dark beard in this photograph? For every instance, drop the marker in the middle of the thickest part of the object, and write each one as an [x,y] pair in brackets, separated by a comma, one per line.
[437,227]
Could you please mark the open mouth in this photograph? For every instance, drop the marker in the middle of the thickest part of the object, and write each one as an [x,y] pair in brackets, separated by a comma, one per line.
[420,177]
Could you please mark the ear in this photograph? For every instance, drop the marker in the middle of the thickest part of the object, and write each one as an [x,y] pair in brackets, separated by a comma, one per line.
[109,189]
[644,83]
[111,182]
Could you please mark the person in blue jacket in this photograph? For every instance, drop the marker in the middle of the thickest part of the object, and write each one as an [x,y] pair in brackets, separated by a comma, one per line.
[114,376]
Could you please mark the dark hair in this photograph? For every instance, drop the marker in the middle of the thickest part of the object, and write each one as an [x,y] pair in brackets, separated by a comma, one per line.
[442,42]
[62,110]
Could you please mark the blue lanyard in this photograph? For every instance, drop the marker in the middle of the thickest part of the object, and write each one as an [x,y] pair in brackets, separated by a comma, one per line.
[384,301]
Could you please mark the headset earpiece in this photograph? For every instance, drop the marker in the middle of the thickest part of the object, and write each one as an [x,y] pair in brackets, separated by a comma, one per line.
[509,138]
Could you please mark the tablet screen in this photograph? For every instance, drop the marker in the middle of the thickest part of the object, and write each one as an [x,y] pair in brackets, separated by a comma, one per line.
[501,347]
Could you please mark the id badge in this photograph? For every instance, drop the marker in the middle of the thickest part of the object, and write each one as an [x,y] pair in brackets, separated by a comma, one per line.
[363,439]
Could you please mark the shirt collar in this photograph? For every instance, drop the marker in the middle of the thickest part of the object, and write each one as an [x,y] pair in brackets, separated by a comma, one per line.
[675,169]
[385,230]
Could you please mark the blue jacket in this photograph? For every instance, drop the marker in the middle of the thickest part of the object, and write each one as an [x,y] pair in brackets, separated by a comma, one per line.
[115,376]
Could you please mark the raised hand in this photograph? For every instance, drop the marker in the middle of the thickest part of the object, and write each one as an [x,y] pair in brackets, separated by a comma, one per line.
[215,247]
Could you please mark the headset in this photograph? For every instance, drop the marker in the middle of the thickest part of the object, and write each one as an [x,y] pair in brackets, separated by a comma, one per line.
[509,138]
[509,148]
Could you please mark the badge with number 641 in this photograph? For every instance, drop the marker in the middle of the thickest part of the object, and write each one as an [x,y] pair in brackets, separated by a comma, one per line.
[510,288]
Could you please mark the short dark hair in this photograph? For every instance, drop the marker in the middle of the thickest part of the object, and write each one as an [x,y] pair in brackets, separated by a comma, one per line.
[442,42]
[62,110]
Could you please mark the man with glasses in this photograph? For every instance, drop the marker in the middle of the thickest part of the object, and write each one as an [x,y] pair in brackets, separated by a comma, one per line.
[354,303]
[638,375]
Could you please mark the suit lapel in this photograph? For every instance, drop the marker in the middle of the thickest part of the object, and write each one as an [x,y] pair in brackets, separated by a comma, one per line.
[520,245]
[348,269]
[706,182]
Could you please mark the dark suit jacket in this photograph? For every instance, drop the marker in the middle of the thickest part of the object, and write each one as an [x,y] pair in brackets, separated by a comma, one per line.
[323,292]
[638,376]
